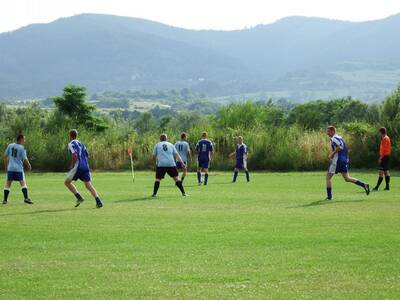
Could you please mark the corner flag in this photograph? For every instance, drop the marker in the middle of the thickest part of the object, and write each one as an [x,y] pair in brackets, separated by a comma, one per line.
[130,152]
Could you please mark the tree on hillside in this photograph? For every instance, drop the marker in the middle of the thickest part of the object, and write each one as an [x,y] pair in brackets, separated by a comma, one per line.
[73,105]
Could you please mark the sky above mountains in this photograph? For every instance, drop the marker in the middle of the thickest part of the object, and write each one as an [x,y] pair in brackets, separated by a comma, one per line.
[195,14]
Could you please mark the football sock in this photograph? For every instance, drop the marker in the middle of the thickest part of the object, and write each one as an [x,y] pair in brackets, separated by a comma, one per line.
[78,196]
[329,193]
[25,192]
[247,176]
[235,175]
[205,179]
[180,186]
[182,178]
[380,179]
[199,177]
[156,186]
[360,183]
[6,193]
[387,180]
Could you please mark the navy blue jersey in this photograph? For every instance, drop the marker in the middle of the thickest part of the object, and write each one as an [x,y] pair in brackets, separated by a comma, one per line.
[77,148]
[204,148]
[343,154]
[241,152]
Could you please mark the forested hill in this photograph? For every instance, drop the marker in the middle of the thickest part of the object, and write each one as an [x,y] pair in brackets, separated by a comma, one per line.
[297,56]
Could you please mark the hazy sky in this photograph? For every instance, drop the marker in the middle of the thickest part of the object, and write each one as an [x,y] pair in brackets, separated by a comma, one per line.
[198,14]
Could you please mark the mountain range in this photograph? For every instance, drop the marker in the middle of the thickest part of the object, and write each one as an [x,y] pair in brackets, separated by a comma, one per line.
[300,58]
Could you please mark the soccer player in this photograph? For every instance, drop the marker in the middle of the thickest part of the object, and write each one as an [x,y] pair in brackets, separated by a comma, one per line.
[165,155]
[184,152]
[339,158]
[384,152]
[15,161]
[241,159]
[80,169]
[204,149]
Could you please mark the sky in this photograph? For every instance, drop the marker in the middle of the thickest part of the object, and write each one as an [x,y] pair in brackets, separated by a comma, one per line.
[195,14]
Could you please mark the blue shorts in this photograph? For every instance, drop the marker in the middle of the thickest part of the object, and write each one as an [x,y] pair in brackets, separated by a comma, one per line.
[76,174]
[204,164]
[15,176]
[340,166]
[179,165]
[241,164]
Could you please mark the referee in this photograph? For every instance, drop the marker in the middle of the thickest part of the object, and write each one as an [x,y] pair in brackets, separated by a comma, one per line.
[165,156]
[384,152]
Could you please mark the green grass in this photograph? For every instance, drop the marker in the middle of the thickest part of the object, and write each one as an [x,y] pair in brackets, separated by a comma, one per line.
[271,239]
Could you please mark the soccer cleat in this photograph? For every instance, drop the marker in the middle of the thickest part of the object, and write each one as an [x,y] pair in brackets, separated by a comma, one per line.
[375,189]
[28,201]
[184,195]
[4,201]
[79,202]
[367,190]
[328,199]
[99,204]
[386,189]
[154,195]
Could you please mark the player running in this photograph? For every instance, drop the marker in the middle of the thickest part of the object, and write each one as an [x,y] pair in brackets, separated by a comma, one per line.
[15,159]
[80,169]
[165,156]
[184,152]
[339,158]
[384,152]
[241,159]
[204,149]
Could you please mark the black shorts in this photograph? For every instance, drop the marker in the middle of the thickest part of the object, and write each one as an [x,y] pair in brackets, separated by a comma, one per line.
[171,171]
[384,165]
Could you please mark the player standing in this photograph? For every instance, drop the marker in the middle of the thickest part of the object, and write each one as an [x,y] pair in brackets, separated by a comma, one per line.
[184,152]
[339,158]
[165,156]
[80,169]
[384,155]
[204,149]
[15,160]
[241,159]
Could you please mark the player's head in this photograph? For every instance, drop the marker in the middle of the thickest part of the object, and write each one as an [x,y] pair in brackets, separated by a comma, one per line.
[331,131]
[73,134]
[382,131]
[184,136]
[163,137]
[240,139]
[20,139]
[204,135]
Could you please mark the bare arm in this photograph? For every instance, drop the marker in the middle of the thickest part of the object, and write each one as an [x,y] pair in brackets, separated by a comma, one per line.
[27,164]
[332,154]
[74,158]
[190,155]
[179,158]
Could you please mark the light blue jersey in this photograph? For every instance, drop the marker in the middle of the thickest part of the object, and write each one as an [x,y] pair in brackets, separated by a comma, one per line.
[16,154]
[165,153]
[183,149]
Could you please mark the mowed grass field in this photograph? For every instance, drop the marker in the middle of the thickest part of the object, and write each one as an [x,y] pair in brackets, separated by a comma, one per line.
[274,238]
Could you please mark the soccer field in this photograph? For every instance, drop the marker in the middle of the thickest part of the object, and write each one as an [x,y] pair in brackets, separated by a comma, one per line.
[274,238]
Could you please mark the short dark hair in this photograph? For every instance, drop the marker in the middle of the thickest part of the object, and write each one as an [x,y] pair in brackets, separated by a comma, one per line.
[163,137]
[73,133]
[382,130]
[20,137]
[183,135]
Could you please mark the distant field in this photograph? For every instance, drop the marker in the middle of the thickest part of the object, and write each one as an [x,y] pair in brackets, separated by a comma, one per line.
[274,238]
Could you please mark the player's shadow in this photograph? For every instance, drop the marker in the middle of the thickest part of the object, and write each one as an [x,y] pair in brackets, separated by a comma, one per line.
[134,199]
[324,202]
[43,211]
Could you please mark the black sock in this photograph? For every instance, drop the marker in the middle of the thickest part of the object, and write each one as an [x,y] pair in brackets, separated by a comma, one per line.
[78,196]
[247,176]
[156,186]
[183,177]
[180,186]
[6,193]
[380,179]
[235,175]
[387,180]
[25,192]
